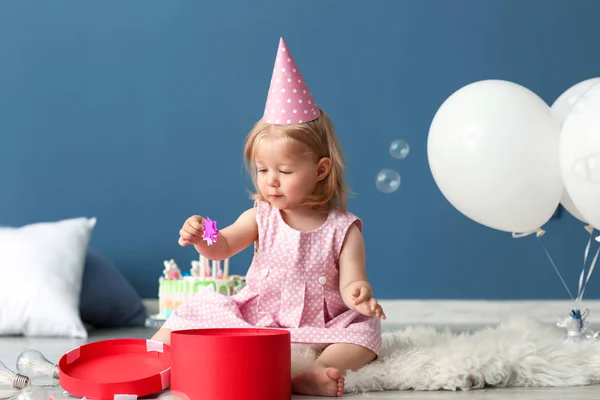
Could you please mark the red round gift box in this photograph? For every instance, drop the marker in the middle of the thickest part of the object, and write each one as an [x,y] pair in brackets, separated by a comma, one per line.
[232,364]
[103,369]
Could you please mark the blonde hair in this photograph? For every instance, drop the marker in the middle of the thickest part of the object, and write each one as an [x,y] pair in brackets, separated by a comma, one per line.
[318,138]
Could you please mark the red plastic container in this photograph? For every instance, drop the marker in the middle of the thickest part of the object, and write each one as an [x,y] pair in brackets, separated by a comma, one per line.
[232,364]
[103,369]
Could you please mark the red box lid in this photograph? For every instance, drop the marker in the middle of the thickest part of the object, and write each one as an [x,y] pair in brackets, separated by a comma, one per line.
[103,369]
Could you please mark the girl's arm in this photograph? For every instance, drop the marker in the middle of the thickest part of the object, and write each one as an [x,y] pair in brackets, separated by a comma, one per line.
[352,262]
[232,239]
[355,288]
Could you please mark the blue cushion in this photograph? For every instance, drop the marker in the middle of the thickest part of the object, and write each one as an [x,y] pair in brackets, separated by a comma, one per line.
[107,299]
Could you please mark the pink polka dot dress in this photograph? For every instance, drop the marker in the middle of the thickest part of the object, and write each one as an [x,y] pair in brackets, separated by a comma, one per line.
[292,283]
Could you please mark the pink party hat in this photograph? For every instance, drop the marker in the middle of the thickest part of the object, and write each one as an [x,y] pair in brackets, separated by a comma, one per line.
[289,101]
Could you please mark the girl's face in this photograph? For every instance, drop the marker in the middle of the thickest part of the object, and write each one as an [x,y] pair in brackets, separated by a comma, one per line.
[286,176]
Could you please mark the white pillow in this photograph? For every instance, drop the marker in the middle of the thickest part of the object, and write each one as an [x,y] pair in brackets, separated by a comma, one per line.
[41,269]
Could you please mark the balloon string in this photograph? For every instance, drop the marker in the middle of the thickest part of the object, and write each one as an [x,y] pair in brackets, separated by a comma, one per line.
[586,253]
[555,268]
[580,297]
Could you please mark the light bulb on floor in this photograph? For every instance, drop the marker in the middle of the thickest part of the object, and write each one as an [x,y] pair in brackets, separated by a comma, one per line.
[33,364]
[11,378]
[31,393]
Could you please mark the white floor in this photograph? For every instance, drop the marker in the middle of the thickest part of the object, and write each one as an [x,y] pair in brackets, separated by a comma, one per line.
[53,348]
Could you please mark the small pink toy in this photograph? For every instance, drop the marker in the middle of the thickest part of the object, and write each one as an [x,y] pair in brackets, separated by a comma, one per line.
[171,271]
[210,231]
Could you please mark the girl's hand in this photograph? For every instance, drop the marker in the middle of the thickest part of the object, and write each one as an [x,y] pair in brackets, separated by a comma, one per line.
[192,231]
[364,303]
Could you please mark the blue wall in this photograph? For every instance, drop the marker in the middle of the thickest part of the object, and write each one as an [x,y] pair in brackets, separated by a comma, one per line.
[135,112]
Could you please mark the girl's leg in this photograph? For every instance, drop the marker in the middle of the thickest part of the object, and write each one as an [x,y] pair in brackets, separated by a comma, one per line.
[162,335]
[324,377]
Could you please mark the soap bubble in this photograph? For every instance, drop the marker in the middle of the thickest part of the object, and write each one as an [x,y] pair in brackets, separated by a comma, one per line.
[387,180]
[399,149]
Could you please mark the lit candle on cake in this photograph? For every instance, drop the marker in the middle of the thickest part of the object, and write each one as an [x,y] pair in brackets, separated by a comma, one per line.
[226,268]
[214,269]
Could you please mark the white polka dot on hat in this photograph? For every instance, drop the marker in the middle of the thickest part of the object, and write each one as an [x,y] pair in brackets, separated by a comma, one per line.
[289,101]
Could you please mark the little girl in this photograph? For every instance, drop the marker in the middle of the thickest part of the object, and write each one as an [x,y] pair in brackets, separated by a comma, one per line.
[308,271]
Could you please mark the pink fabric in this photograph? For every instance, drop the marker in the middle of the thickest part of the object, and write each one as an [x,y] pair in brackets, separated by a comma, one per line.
[289,101]
[293,284]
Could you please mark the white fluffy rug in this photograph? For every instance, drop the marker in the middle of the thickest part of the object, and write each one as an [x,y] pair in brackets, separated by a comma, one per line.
[519,352]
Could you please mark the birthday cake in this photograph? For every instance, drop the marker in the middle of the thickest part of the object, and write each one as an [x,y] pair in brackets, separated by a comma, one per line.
[175,288]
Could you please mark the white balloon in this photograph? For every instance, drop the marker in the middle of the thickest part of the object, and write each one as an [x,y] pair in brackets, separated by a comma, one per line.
[563,105]
[560,109]
[579,155]
[493,152]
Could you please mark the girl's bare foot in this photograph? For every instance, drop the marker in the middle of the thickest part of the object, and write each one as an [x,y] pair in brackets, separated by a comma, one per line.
[319,381]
